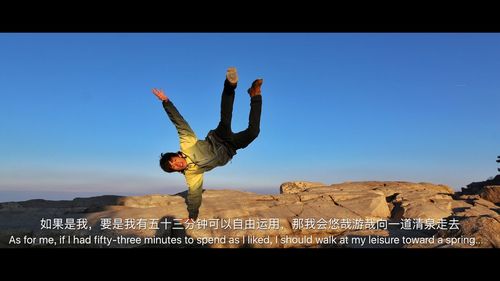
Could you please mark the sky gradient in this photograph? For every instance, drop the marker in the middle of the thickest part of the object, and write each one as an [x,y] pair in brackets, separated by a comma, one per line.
[77,115]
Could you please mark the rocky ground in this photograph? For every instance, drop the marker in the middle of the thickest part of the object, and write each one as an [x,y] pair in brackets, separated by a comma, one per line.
[305,214]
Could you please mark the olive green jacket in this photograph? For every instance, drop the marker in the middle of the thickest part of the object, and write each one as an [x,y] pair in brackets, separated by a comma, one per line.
[201,156]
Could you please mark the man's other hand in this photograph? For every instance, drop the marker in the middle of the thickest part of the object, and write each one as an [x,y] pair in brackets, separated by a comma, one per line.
[160,94]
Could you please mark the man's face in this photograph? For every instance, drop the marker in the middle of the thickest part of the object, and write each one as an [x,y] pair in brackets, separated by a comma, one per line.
[177,163]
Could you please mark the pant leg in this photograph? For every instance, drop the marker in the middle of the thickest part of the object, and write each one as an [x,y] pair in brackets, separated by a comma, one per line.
[223,130]
[245,137]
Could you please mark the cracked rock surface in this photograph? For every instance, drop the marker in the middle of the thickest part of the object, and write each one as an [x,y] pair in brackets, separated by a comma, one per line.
[301,215]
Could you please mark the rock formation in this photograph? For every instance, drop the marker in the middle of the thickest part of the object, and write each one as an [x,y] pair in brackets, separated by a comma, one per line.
[352,214]
[488,190]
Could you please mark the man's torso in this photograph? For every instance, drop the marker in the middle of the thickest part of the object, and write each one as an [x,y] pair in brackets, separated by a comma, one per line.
[208,154]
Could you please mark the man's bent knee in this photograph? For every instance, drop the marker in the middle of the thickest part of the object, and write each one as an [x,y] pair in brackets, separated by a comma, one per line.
[253,133]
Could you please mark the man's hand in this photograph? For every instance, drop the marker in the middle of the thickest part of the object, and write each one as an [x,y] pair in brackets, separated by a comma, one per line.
[160,95]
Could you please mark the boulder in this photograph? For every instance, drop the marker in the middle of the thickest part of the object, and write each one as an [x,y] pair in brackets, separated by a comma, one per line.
[297,186]
[491,193]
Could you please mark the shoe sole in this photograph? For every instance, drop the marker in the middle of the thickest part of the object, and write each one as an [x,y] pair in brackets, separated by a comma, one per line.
[232,75]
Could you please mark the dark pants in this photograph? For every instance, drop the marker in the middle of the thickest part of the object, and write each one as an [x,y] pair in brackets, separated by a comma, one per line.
[223,130]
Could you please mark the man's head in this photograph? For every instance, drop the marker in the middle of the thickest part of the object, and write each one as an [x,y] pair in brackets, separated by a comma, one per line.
[172,162]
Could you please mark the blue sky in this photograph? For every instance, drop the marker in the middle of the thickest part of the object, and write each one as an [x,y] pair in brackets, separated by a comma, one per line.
[77,114]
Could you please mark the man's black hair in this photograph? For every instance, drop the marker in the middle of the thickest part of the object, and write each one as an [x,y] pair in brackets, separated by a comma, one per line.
[164,158]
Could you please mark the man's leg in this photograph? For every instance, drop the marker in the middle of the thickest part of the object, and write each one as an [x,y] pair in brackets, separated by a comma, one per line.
[223,130]
[245,137]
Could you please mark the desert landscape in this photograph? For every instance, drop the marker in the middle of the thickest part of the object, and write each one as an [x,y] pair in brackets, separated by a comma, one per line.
[369,214]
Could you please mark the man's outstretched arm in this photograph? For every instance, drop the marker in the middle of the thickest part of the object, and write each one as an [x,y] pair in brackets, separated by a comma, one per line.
[194,181]
[186,134]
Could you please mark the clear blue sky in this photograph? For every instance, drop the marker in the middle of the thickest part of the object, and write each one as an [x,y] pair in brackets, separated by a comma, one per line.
[77,114]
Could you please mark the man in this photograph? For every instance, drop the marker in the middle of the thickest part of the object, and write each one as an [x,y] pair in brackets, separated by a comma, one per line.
[220,145]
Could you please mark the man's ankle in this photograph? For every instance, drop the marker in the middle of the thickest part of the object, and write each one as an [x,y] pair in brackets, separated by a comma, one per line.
[227,83]
[256,98]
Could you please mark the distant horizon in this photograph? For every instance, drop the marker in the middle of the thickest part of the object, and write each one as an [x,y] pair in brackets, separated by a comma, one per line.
[16,196]
[78,116]
[19,196]
[62,192]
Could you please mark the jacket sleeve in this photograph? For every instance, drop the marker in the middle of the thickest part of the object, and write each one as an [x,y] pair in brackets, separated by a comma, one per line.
[195,191]
[186,135]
